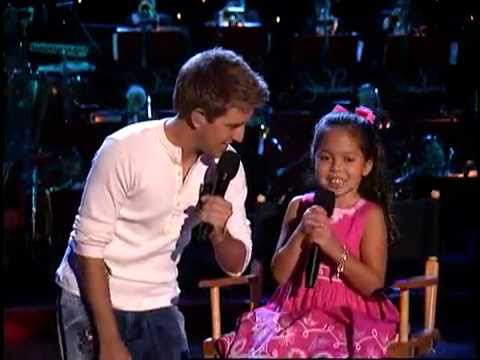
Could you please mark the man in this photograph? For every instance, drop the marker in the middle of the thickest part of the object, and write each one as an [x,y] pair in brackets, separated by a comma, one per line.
[118,277]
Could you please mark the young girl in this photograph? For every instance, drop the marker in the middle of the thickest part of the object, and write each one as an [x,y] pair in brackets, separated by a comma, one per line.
[342,315]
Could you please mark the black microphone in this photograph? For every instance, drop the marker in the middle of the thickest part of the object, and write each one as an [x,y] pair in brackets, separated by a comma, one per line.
[227,168]
[326,199]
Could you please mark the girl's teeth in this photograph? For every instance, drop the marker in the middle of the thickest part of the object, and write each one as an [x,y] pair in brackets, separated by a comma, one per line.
[336,182]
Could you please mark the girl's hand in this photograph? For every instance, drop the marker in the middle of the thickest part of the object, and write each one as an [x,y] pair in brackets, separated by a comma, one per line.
[322,235]
[315,225]
[314,217]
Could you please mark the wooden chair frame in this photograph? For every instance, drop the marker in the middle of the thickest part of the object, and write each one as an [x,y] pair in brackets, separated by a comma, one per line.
[253,280]
[408,344]
[423,341]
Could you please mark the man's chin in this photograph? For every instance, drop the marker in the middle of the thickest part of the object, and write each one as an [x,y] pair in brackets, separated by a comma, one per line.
[222,150]
[215,153]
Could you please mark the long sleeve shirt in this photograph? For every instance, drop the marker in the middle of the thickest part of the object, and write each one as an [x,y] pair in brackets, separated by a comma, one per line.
[134,210]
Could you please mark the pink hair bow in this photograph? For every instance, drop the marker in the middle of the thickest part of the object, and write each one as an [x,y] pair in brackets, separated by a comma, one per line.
[361,111]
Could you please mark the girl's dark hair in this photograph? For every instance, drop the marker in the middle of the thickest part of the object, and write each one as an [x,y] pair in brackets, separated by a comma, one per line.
[375,186]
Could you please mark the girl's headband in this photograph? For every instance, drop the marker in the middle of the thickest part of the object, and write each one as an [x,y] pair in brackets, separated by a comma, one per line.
[361,111]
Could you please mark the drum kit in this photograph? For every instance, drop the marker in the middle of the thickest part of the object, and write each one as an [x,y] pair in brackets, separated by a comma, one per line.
[33,169]
[52,124]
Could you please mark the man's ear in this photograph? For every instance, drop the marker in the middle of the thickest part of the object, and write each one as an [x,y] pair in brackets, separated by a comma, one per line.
[198,118]
[368,167]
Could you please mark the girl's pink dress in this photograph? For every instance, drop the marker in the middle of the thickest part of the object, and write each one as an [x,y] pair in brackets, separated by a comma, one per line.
[329,320]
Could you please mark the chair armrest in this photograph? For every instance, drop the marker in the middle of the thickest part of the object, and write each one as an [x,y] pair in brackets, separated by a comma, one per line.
[415,282]
[227,281]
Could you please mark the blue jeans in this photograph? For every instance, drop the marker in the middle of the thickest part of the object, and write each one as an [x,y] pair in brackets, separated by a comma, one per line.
[153,334]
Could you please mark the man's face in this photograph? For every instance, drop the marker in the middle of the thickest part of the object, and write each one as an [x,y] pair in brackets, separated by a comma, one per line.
[215,136]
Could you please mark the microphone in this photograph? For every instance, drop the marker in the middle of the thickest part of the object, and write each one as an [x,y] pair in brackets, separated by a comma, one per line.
[326,199]
[227,168]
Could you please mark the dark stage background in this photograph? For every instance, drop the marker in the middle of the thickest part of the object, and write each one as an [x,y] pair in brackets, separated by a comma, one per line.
[69,67]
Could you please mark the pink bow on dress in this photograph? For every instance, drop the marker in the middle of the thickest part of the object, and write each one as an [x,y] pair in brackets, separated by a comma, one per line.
[361,111]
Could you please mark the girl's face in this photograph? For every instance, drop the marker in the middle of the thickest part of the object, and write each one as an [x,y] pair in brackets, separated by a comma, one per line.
[340,165]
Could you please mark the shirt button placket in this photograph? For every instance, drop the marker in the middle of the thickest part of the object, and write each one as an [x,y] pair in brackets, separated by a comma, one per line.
[180,183]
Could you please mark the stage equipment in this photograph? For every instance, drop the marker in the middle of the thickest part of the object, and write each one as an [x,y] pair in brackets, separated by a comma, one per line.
[68,50]
[325,23]
[159,47]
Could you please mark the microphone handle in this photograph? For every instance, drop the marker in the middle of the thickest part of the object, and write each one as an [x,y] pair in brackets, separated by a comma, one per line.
[313,265]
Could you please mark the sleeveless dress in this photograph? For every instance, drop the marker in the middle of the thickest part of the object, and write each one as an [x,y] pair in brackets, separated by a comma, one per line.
[329,320]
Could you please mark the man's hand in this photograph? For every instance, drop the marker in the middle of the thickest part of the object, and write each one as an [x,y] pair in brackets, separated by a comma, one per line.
[114,350]
[216,211]
[94,284]
[230,253]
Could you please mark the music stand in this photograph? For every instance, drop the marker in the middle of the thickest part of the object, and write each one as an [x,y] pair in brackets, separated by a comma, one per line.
[409,52]
[253,43]
[334,50]
[162,47]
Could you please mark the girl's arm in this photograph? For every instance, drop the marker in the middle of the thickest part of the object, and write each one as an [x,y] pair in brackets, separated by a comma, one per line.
[365,273]
[288,252]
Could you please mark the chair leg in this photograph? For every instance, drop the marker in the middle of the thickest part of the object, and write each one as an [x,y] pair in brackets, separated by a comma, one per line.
[424,343]
[401,350]
[209,351]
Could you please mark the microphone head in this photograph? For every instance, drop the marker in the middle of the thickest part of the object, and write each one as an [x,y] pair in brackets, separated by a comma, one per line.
[228,165]
[326,199]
